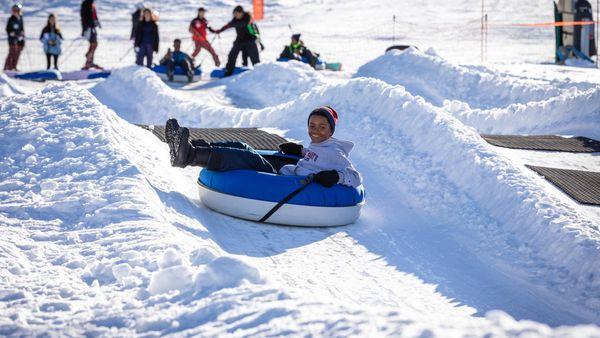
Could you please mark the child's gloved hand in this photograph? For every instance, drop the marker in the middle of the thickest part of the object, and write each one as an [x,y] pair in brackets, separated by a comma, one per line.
[327,178]
[291,148]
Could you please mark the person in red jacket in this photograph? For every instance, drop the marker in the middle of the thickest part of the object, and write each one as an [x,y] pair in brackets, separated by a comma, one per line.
[198,28]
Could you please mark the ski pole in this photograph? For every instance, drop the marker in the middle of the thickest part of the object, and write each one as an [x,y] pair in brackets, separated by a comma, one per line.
[124,55]
[204,57]
[69,49]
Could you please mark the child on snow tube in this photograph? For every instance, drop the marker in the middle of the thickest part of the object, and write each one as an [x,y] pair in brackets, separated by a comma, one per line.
[177,58]
[296,50]
[326,157]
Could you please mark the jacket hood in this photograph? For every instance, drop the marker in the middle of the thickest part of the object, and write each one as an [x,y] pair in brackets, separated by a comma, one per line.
[345,146]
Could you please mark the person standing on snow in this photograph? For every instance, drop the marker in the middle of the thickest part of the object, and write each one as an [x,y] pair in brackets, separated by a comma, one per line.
[16,37]
[51,38]
[136,17]
[245,40]
[178,58]
[89,23]
[198,28]
[146,39]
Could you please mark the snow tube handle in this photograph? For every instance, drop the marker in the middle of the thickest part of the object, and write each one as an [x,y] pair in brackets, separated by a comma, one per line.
[304,183]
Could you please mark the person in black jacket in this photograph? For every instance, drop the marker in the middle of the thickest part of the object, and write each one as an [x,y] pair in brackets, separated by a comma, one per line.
[16,38]
[136,17]
[89,23]
[146,39]
[245,40]
[297,51]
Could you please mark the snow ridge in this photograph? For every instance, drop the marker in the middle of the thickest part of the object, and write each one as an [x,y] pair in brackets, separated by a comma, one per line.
[436,80]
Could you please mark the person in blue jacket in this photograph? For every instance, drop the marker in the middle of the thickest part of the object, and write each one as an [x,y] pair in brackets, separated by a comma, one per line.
[178,58]
[146,39]
[51,38]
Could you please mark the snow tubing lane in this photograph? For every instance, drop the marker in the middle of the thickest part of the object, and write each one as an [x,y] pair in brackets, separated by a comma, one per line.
[248,194]
[179,75]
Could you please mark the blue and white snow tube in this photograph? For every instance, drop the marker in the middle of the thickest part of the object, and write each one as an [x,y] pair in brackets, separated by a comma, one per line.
[220,72]
[179,75]
[251,195]
[42,75]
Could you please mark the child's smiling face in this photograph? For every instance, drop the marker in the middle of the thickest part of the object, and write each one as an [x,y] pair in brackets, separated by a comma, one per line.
[319,129]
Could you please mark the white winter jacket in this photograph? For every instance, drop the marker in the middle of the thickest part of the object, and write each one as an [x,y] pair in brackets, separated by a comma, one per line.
[331,154]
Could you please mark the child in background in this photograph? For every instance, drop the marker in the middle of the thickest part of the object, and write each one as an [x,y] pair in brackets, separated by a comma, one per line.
[51,38]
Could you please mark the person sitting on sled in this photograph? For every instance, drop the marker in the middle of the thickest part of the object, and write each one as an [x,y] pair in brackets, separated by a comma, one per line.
[178,58]
[297,51]
[326,158]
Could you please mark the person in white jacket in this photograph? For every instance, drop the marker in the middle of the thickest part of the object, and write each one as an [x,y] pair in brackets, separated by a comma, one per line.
[326,158]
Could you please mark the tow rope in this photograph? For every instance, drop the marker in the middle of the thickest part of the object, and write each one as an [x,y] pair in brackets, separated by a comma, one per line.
[304,183]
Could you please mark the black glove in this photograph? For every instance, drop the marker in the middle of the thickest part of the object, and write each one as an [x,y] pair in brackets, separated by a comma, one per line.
[327,178]
[291,149]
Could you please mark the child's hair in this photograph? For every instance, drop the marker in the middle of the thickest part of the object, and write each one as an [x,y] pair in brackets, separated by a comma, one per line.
[148,10]
[52,15]
[176,41]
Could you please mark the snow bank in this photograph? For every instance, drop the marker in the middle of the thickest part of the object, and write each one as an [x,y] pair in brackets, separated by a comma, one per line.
[435,79]
[279,82]
[81,223]
[573,112]
[7,88]
[509,104]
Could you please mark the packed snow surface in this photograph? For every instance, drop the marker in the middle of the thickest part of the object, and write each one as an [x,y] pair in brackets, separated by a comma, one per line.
[102,237]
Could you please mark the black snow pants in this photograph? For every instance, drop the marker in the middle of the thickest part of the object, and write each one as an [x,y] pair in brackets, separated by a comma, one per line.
[249,48]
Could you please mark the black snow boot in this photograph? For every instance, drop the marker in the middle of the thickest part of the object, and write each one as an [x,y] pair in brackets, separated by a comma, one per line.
[171,127]
[178,140]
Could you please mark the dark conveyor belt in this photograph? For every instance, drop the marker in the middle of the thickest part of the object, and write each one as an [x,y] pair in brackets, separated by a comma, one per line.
[545,142]
[582,186]
[256,138]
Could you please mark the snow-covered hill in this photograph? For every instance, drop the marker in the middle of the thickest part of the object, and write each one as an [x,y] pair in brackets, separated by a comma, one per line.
[100,236]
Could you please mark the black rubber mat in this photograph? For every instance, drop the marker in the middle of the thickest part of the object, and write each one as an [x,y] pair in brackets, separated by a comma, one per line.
[545,142]
[257,139]
[582,186]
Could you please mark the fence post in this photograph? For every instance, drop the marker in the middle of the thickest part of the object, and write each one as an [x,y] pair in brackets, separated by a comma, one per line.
[482,27]
[394,30]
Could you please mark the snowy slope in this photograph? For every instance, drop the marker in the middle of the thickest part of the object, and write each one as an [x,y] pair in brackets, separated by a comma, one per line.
[99,230]
[8,88]
[100,236]
[403,121]
[507,104]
